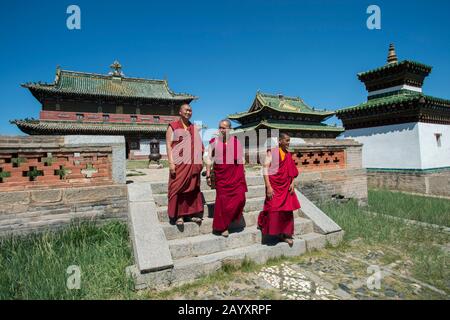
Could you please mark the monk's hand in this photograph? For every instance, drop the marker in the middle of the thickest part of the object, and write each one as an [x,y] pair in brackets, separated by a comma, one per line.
[269,193]
[172,169]
[291,188]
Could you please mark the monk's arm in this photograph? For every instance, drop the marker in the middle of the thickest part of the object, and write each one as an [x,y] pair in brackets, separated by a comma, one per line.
[169,134]
[267,162]
[208,161]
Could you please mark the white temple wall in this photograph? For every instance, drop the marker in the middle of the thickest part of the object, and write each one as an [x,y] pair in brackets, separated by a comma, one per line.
[392,146]
[434,153]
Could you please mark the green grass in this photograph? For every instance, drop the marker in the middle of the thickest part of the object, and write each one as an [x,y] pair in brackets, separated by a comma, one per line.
[34,267]
[420,208]
[420,244]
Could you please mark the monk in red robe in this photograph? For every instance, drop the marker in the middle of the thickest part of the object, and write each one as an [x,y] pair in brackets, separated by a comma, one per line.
[277,217]
[226,154]
[185,155]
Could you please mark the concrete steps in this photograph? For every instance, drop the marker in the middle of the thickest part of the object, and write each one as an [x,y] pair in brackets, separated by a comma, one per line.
[188,269]
[252,204]
[191,229]
[161,187]
[210,195]
[196,252]
[209,243]
[191,268]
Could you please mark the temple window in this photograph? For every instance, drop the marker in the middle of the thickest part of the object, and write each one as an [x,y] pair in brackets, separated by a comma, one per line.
[156,119]
[133,118]
[134,145]
[438,139]
[106,117]
[80,116]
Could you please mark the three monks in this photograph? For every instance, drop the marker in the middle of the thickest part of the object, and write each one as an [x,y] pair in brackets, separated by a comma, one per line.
[277,217]
[185,155]
[226,160]
[226,157]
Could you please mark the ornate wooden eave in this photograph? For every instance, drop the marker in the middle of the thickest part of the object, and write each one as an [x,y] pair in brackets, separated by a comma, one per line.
[32,127]
[420,108]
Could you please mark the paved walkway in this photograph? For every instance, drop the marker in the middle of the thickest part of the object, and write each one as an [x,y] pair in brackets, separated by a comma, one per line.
[359,272]
[327,275]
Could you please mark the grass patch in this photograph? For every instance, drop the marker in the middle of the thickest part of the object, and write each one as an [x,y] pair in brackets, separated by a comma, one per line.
[420,244]
[420,208]
[34,266]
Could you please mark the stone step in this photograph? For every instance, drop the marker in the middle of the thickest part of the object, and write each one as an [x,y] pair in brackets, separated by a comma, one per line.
[210,195]
[209,243]
[192,229]
[253,204]
[161,187]
[189,269]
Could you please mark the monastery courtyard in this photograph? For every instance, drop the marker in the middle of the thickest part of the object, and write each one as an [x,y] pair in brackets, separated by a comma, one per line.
[382,256]
[375,245]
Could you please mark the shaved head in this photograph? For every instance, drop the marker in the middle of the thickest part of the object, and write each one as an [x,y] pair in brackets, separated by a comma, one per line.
[185,112]
[184,105]
[284,135]
[226,122]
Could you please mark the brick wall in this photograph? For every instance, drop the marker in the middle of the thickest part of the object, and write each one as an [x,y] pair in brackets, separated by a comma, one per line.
[31,163]
[47,182]
[320,180]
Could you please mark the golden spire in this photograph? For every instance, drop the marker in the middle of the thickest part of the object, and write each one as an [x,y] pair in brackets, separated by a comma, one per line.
[392,56]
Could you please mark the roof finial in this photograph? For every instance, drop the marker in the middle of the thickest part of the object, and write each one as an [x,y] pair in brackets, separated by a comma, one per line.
[58,73]
[392,56]
[117,69]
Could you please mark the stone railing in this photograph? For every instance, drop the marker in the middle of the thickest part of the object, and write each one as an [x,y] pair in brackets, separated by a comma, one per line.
[38,162]
[324,158]
[330,168]
[49,181]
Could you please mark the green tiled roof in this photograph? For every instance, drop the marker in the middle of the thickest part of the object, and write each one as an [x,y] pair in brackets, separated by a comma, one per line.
[281,104]
[80,83]
[289,125]
[407,63]
[78,127]
[402,97]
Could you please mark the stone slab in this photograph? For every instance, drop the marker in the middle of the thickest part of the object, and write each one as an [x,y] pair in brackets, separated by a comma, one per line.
[150,246]
[322,223]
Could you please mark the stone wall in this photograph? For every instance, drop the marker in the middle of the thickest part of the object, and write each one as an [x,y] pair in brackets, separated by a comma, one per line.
[29,211]
[433,182]
[324,181]
[73,178]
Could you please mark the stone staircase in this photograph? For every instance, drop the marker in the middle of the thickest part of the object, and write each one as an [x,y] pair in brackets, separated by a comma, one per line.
[195,251]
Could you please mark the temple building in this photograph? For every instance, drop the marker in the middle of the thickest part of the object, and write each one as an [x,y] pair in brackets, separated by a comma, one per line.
[287,114]
[113,104]
[405,133]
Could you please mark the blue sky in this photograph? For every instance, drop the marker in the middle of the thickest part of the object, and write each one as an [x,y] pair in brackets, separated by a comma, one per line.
[221,51]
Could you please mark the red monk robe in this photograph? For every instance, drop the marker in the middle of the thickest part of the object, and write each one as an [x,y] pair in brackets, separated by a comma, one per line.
[184,193]
[277,218]
[230,182]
